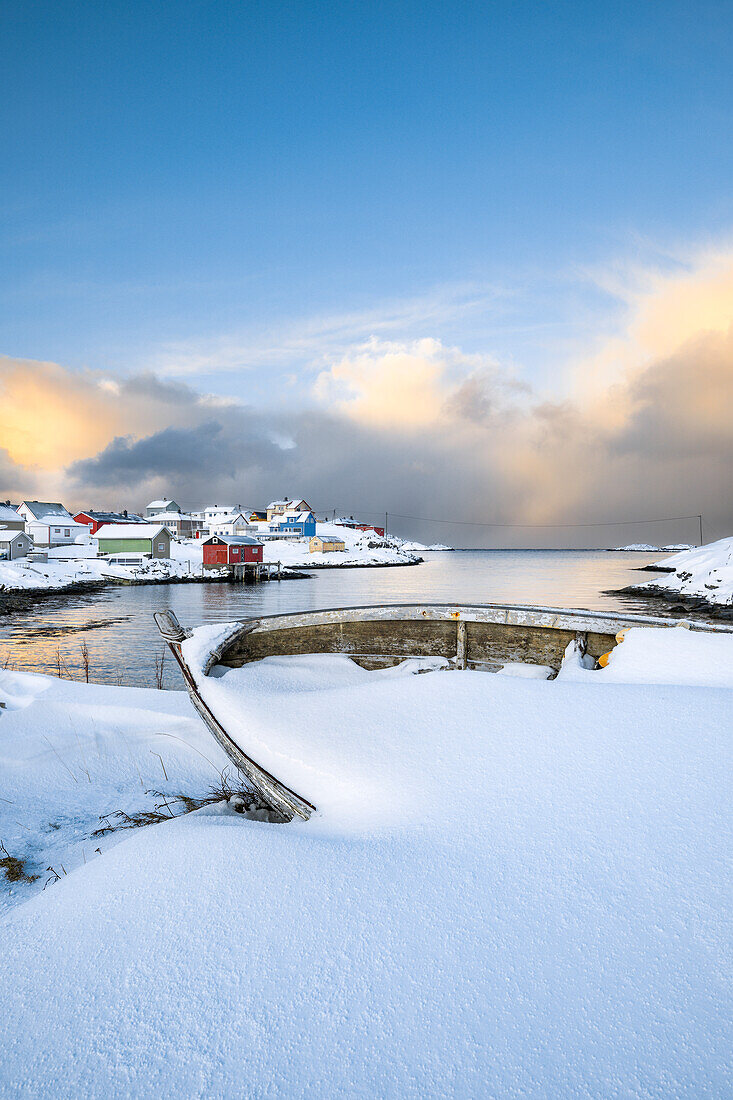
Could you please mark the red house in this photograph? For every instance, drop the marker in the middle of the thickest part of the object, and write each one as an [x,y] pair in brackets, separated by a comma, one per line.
[231,550]
[95,520]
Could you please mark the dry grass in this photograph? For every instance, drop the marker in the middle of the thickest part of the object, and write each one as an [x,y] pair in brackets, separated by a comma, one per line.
[13,868]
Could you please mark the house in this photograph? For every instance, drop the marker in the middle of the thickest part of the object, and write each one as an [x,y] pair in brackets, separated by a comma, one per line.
[325,544]
[95,520]
[164,505]
[278,508]
[302,524]
[233,523]
[231,550]
[14,544]
[151,539]
[215,513]
[178,523]
[10,520]
[354,526]
[49,524]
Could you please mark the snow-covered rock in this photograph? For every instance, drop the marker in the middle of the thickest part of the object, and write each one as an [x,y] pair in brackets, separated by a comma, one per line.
[703,571]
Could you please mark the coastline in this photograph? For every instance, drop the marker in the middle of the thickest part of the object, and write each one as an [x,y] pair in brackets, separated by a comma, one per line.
[676,604]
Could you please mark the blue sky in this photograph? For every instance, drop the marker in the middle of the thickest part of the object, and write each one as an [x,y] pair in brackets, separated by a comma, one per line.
[460,259]
[179,176]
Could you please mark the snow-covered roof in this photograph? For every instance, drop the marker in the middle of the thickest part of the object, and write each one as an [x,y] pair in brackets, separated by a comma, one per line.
[166,517]
[161,503]
[57,519]
[130,531]
[112,517]
[329,538]
[9,515]
[40,509]
[234,540]
[298,516]
[10,536]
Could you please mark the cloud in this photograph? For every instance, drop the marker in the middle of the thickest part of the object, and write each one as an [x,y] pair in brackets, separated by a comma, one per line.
[412,385]
[417,427]
[325,337]
[184,461]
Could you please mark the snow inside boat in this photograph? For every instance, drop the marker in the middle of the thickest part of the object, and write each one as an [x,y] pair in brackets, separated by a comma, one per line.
[416,637]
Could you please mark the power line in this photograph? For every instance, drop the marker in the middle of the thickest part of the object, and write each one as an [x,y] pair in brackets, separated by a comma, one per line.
[476,523]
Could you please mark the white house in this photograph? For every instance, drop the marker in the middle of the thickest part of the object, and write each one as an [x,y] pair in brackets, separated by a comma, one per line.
[49,524]
[164,505]
[221,513]
[233,523]
[177,523]
[14,544]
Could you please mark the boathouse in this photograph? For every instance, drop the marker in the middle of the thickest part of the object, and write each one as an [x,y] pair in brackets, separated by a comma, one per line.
[231,550]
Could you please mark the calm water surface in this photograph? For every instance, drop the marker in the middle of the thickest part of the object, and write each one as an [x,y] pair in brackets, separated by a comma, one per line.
[117,627]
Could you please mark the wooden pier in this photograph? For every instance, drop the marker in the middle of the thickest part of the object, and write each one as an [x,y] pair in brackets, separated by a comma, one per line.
[256,572]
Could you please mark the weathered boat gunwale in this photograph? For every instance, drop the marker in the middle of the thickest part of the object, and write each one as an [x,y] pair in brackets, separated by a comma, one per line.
[505,631]
[277,794]
[485,634]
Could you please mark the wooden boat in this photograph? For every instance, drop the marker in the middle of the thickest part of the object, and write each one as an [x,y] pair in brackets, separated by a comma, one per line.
[477,636]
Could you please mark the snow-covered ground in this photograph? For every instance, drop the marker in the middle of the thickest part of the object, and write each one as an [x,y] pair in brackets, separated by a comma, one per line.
[703,571]
[513,886]
[638,546]
[62,572]
[362,548]
[72,565]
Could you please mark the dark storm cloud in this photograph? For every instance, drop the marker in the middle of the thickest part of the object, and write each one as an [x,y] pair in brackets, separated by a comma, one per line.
[192,461]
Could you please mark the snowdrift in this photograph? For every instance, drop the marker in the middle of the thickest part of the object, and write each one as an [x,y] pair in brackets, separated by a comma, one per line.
[514,886]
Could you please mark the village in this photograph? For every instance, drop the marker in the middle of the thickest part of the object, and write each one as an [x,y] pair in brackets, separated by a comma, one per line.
[44,545]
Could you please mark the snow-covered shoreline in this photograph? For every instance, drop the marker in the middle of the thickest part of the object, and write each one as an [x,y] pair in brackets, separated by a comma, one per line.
[703,574]
[77,568]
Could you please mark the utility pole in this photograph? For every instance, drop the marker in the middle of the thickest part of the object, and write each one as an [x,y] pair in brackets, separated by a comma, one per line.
[700,518]
[386,520]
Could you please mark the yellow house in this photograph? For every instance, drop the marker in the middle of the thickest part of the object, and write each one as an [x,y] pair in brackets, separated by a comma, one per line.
[325,544]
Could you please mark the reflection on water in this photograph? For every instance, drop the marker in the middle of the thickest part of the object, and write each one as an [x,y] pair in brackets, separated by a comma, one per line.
[117,628]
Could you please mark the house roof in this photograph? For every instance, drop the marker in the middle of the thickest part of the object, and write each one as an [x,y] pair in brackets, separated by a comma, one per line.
[39,509]
[328,538]
[234,540]
[161,503]
[53,519]
[130,531]
[112,517]
[166,517]
[10,536]
[297,516]
[9,515]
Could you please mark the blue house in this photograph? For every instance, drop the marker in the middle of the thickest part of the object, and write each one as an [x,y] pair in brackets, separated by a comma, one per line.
[298,523]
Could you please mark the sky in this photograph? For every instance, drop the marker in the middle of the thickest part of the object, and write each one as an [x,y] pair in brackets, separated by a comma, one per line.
[464,261]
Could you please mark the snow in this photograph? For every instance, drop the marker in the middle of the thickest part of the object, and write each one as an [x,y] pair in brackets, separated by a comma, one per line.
[646,546]
[362,548]
[703,571]
[419,548]
[513,887]
[61,571]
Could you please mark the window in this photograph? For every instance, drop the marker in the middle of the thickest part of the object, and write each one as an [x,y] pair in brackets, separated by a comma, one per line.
[161,547]
[57,530]
[67,533]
